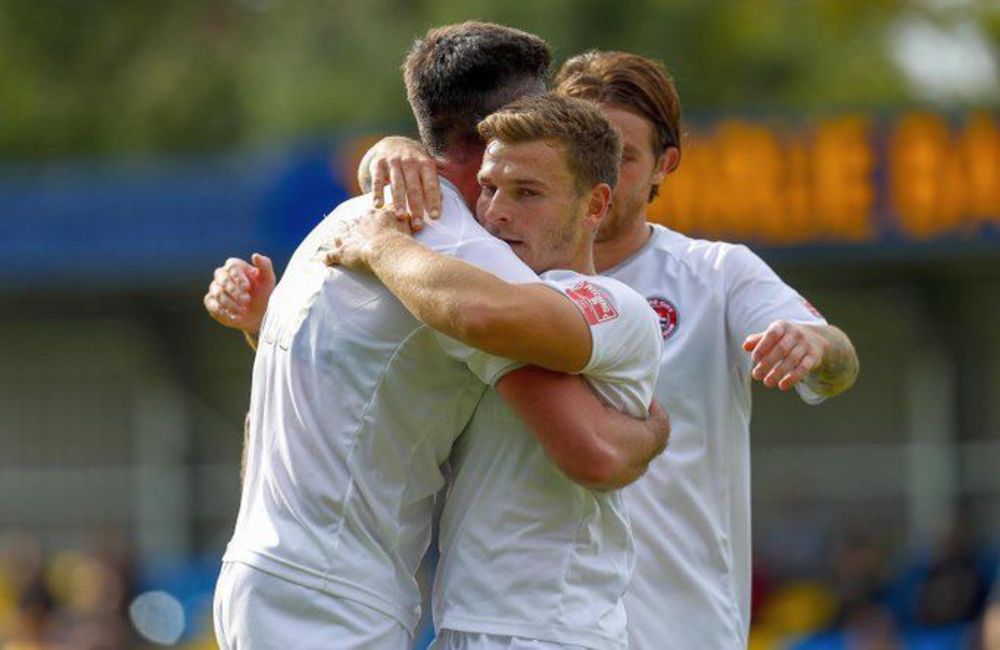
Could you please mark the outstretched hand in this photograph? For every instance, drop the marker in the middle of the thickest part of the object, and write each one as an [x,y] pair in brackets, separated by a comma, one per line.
[785,353]
[239,292]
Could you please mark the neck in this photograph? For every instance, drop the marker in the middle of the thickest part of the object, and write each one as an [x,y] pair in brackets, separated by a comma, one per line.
[612,252]
[460,165]
[581,262]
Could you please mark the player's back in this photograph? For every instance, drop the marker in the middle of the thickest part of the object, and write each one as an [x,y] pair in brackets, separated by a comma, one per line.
[354,407]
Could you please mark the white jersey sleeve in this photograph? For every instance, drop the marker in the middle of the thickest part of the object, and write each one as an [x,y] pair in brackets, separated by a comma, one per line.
[625,335]
[756,297]
[458,235]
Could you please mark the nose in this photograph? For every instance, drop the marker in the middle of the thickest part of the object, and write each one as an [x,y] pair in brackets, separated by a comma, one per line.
[495,211]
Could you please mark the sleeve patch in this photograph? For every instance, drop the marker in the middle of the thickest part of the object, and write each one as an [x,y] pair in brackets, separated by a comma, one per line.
[593,302]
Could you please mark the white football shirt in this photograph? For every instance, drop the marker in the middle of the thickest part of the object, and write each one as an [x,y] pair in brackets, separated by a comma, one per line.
[691,510]
[354,407]
[526,552]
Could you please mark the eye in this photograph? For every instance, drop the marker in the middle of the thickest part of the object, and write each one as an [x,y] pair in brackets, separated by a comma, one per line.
[487,189]
[526,193]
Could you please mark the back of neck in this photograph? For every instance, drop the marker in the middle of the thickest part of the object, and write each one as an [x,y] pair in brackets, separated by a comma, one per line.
[460,165]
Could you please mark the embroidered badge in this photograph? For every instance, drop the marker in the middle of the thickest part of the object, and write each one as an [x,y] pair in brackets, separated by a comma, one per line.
[667,314]
[593,302]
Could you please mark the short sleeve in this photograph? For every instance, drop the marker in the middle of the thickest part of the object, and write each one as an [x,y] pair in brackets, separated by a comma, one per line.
[756,297]
[625,335]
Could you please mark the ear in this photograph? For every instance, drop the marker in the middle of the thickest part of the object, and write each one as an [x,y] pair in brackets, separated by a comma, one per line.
[600,203]
[666,164]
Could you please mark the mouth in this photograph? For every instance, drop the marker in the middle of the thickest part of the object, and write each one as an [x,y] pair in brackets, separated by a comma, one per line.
[512,242]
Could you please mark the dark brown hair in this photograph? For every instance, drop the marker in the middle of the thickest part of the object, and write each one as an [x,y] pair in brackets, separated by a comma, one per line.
[630,81]
[592,147]
[458,74]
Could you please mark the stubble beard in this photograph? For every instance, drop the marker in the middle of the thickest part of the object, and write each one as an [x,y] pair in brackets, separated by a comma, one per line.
[622,215]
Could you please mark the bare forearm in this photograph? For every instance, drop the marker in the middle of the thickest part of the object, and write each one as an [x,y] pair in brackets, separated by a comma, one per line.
[838,369]
[529,323]
[440,291]
[633,443]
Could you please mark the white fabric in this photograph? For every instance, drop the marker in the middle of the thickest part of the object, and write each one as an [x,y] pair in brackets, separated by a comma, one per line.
[691,510]
[354,406]
[254,610]
[453,640]
[525,552]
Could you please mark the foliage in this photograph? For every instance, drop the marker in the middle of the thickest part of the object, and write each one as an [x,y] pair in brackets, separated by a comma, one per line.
[125,76]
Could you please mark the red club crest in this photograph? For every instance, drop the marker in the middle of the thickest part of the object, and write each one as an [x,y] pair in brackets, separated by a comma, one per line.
[667,314]
[593,302]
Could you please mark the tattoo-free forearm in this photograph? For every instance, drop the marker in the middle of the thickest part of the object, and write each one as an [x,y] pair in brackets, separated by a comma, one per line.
[838,369]
[480,309]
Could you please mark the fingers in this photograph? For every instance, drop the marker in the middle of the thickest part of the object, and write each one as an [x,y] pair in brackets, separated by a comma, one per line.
[779,351]
[232,284]
[660,422]
[432,189]
[221,308]
[397,181]
[767,341]
[265,268]
[786,364]
[805,366]
[380,177]
[335,253]
[414,192]
[751,341]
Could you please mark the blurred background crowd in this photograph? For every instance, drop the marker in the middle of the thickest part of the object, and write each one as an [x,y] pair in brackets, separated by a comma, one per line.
[855,144]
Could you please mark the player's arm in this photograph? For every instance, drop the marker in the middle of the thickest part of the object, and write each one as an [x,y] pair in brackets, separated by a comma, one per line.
[820,355]
[238,295]
[592,443]
[411,173]
[467,303]
[787,339]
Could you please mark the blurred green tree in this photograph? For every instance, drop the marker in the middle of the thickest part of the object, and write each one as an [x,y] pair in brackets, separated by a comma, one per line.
[120,76]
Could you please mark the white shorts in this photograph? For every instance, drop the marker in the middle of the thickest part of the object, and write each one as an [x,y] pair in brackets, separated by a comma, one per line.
[455,640]
[256,610]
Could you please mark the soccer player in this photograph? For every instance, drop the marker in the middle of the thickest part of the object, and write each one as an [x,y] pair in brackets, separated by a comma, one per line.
[355,404]
[726,319]
[530,558]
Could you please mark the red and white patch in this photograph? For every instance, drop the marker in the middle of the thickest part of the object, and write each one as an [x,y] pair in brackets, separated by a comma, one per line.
[812,310]
[593,302]
[667,314]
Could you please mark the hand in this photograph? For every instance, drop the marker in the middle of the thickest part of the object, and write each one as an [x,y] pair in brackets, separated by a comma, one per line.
[356,240]
[410,172]
[785,353]
[239,293]
[658,424]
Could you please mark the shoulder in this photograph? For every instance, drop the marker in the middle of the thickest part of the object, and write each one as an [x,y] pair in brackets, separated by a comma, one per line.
[705,255]
[706,262]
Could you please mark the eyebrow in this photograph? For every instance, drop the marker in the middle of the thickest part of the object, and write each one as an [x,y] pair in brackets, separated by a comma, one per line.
[529,182]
